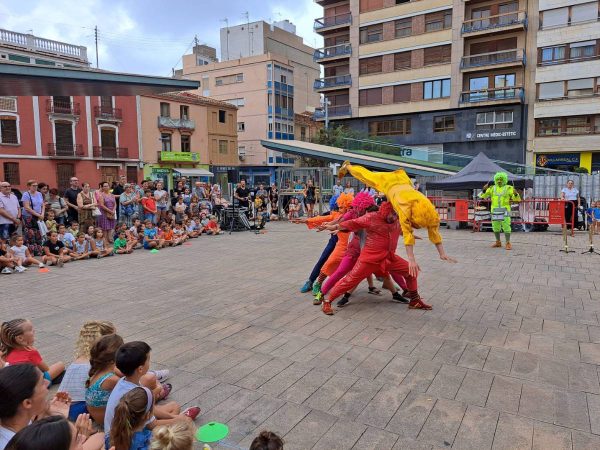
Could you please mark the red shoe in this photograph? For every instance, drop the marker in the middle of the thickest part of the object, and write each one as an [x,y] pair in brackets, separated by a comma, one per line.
[192,412]
[419,304]
[326,308]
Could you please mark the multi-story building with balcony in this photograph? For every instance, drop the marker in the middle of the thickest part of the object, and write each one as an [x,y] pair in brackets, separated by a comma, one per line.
[566,120]
[267,72]
[188,135]
[447,75]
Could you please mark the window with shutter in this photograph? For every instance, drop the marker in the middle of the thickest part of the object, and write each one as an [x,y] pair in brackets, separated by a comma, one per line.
[390,127]
[8,104]
[372,33]
[437,55]
[403,27]
[369,97]
[402,93]
[11,173]
[8,130]
[371,65]
[370,5]
[402,61]
[438,21]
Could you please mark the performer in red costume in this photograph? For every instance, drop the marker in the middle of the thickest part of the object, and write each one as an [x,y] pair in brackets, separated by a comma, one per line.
[377,256]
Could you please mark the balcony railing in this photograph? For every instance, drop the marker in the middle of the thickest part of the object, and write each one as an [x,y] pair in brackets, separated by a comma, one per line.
[554,62]
[495,22]
[333,21]
[584,93]
[100,112]
[110,152]
[332,52]
[489,95]
[59,107]
[171,122]
[493,58]
[332,82]
[333,112]
[37,44]
[69,150]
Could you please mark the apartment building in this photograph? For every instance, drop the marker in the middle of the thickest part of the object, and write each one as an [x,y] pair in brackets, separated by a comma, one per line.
[566,119]
[188,135]
[267,72]
[446,75]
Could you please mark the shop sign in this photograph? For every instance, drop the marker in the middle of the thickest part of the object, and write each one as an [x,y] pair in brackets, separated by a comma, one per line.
[491,134]
[223,168]
[557,159]
[180,156]
[160,170]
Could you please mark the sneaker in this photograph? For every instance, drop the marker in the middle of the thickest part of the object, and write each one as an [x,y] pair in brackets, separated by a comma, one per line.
[41,265]
[100,256]
[508,246]
[316,288]
[396,297]
[419,304]
[166,390]
[6,271]
[19,269]
[60,262]
[318,298]
[343,301]
[192,412]
[498,244]
[161,375]
[306,287]
[23,268]
[326,308]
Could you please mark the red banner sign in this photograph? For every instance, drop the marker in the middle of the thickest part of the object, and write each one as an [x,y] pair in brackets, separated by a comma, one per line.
[556,213]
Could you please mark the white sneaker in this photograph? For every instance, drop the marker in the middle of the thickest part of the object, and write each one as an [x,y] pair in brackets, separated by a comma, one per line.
[161,375]
[60,262]
[41,265]
[19,269]
[6,271]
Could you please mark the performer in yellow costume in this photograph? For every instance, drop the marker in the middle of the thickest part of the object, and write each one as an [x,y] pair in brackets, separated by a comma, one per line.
[502,195]
[413,208]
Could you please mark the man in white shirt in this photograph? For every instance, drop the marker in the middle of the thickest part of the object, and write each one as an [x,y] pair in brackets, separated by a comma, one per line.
[571,194]
[10,213]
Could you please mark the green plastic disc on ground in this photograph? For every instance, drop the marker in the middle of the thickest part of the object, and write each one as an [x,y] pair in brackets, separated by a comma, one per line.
[153,251]
[212,432]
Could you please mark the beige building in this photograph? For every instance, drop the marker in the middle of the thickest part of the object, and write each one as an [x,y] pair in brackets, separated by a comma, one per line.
[185,134]
[566,118]
[268,74]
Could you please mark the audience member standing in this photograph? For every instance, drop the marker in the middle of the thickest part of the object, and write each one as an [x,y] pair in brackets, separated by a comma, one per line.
[34,209]
[10,213]
[70,196]
[571,194]
[108,206]
[86,204]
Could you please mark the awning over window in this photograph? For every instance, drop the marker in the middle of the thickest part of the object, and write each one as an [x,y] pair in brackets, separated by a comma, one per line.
[194,172]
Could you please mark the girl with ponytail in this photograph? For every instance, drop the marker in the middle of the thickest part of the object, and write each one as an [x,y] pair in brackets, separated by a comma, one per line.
[128,431]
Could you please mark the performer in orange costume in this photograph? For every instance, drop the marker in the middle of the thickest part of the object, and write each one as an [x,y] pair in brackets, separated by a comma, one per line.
[413,208]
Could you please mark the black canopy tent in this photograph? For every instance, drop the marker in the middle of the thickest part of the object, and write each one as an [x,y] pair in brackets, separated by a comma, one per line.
[479,171]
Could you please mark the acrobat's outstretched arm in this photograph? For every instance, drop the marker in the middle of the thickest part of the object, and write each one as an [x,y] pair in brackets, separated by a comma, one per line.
[372,179]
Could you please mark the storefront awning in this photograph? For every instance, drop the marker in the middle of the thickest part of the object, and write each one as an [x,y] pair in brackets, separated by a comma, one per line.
[194,172]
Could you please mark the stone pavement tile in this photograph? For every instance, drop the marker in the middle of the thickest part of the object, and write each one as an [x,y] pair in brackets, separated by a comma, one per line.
[314,325]
[577,332]
[505,394]
[553,372]
[214,396]
[584,377]
[184,393]
[406,344]
[404,443]
[331,328]
[475,387]
[310,351]
[349,332]
[526,366]
[477,429]
[231,360]
[281,422]
[412,414]
[374,364]
[292,346]
[247,420]
[284,379]
[553,328]
[342,435]
[428,347]
[244,368]
[474,356]
[217,353]
[249,337]
[594,333]
[537,402]
[515,340]
[421,375]
[541,345]
[386,339]
[494,337]
[585,441]
[447,382]
[450,352]
[590,352]
[226,332]
[274,343]
[263,374]
[350,360]
[230,407]
[383,406]
[309,430]
[331,354]
[531,325]
[366,336]
[593,402]
[306,386]
[473,334]
[330,392]
[571,410]
[547,436]
[396,370]
[567,350]
[354,401]
[443,422]
[373,438]
[513,433]
[499,361]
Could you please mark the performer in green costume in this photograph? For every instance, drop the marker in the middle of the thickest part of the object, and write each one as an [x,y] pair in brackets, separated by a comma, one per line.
[502,195]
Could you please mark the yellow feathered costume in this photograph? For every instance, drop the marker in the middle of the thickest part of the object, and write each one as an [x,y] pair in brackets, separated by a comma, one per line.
[413,208]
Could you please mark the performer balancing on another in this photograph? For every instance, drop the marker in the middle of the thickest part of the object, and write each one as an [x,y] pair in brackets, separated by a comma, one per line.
[378,256]
[413,208]
[502,195]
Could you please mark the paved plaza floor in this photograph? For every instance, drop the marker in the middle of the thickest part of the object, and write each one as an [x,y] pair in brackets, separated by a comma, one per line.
[507,359]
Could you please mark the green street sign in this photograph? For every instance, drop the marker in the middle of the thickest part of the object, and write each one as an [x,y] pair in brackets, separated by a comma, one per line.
[180,156]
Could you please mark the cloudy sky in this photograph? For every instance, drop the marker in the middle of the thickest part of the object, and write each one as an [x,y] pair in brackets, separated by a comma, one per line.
[148,36]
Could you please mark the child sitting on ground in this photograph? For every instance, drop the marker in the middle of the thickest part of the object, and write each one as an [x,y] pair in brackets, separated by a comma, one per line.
[51,223]
[82,249]
[134,235]
[167,235]
[7,261]
[121,246]
[16,347]
[212,227]
[55,251]
[65,237]
[204,220]
[293,209]
[151,239]
[89,233]
[74,228]
[179,234]
[179,436]
[132,414]
[19,250]
[99,246]
[180,209]
[190,228]
[77,373]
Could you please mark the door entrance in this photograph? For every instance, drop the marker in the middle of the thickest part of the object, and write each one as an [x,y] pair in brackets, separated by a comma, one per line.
[109,174]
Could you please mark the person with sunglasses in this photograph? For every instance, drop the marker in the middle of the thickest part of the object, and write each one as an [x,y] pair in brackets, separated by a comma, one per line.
[10,213]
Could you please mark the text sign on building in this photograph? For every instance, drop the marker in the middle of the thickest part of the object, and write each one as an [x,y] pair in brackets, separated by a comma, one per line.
[557,159]
[180,156]
[491,134]
[414,153]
